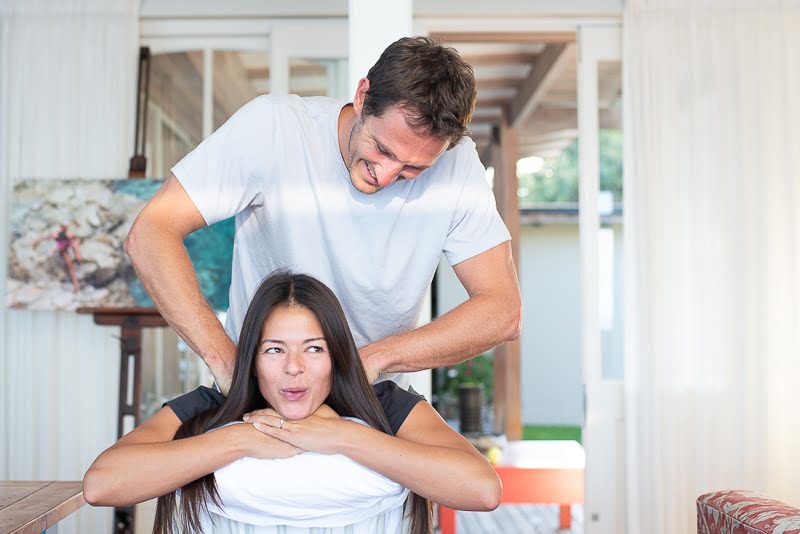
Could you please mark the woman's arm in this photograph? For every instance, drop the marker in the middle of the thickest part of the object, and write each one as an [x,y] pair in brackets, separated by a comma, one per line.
[42,237]
[426,456]
[147,463]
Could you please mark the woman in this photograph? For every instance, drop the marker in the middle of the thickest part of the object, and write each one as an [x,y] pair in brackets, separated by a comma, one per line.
[65,242]
[297,364]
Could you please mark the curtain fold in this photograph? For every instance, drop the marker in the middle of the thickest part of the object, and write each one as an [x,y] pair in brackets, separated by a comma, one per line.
[712,190]
[67,104]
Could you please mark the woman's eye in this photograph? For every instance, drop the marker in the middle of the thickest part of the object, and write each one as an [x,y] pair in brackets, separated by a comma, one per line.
[273,350]
[315,348]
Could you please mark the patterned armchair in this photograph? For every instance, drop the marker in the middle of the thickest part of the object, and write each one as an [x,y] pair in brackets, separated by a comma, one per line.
[744,512]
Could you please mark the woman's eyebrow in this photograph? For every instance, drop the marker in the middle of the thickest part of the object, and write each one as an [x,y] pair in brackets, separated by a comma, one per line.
[272,341]
[280,341]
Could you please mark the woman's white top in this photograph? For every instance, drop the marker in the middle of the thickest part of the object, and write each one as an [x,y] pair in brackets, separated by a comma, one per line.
[310,492]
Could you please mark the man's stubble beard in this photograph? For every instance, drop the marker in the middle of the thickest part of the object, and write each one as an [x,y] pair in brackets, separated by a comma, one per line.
[352,157]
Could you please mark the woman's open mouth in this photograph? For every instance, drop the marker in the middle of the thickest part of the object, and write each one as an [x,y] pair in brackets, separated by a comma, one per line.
[294,394]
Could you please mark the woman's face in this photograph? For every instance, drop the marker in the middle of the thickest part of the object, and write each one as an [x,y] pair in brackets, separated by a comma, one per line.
[293,366]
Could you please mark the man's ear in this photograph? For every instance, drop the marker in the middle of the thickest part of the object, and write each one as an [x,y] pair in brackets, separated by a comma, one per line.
[361,95]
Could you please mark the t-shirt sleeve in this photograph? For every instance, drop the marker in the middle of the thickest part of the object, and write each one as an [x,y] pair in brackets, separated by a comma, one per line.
[195,402]
[476,225]
[225,174]
[397,403]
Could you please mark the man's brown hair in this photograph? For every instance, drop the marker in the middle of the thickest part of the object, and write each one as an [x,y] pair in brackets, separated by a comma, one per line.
[431,82]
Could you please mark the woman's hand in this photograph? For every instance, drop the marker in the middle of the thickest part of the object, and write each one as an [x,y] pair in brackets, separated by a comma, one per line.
[321,432]
[259,445]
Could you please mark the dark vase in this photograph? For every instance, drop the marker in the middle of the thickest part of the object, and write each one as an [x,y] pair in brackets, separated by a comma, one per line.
[470,408]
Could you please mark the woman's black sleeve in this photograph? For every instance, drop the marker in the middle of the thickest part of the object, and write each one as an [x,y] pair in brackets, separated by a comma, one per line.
[397,403]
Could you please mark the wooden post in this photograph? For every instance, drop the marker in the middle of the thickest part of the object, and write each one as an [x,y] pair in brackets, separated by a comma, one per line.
[505,152]
[131,322]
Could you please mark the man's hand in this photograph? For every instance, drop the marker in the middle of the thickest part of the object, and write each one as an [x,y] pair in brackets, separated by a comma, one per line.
[222,369]
[319,432]
[491,316]
[371,358]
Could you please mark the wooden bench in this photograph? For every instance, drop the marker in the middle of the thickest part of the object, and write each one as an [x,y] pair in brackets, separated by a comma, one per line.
[536,472]
[31,507]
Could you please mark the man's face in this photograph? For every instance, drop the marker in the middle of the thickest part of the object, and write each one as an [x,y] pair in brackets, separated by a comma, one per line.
[385,149]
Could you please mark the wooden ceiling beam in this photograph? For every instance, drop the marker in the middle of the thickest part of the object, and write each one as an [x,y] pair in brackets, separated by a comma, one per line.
[477,59]
[494,83]
[484,113]
[506,37]
[504,105]
[493,101]
[310,69]
[545,70]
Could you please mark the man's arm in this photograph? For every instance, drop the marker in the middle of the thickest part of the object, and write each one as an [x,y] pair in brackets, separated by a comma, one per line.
[491,316]
[155,246]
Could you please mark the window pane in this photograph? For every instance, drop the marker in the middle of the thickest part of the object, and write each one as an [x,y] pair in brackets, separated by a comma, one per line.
[239,76]
[175,111]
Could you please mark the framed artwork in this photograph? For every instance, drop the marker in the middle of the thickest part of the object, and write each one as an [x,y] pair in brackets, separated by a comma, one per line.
[66,246]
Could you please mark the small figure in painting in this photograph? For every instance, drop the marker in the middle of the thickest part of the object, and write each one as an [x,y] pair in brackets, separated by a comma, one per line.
[65,242]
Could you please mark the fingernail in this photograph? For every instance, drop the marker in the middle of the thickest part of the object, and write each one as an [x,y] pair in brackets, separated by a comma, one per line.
[246,416]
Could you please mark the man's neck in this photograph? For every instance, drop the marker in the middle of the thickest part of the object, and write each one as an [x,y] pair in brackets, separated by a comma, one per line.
[347,119]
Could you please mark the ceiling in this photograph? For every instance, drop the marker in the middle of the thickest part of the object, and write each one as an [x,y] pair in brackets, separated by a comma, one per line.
[527,80]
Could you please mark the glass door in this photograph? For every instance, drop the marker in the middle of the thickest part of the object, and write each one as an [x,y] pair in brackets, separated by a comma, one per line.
[600,230]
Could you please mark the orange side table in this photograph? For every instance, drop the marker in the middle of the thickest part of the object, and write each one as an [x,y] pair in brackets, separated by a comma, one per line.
[536,472]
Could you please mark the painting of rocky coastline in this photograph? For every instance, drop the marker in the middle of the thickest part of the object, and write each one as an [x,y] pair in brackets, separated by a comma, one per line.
[66,246]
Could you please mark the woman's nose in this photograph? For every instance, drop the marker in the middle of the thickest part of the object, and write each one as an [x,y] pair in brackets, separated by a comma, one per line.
[294,363]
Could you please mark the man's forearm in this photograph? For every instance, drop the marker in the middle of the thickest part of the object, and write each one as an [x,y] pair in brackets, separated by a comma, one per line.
[168,276]
[479,324]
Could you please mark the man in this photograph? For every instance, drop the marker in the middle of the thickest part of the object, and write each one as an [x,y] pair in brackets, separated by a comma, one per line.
[364,196]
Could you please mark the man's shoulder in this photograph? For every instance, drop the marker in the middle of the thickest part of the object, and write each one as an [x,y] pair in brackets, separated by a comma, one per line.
[311,106]
[464,153]
[458,165]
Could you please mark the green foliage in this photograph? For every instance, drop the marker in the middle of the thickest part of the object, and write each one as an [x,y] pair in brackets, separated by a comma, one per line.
[557,180]
[536,432]
[478,370]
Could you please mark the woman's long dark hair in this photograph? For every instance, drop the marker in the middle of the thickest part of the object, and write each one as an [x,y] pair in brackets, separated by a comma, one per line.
[351,393]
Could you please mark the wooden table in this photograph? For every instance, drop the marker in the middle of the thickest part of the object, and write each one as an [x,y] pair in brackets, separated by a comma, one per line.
[31,507]
[536,472]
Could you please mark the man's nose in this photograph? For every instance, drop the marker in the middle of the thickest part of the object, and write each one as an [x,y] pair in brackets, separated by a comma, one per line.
[387,172]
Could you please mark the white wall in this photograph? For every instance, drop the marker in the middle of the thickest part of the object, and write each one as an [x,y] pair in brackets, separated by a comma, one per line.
[551,390]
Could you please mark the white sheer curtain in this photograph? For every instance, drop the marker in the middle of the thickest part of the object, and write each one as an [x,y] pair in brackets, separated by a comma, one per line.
[67,102]
[712,207]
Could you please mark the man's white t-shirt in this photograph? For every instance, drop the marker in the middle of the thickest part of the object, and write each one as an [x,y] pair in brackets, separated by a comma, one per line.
[276,165]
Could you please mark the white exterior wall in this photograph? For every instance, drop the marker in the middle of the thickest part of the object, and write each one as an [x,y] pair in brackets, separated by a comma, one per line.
[551,390]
